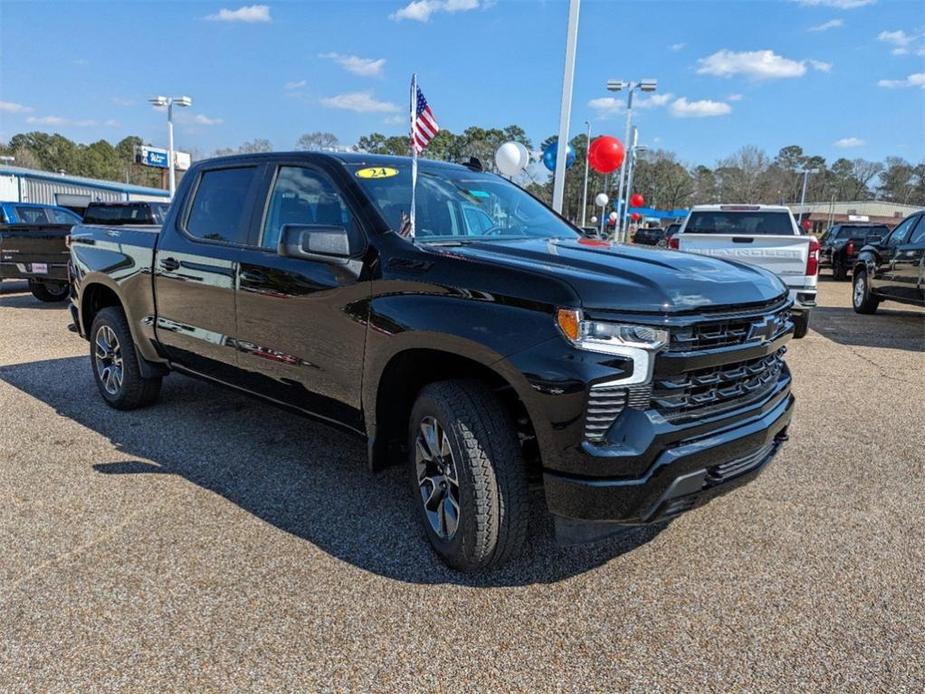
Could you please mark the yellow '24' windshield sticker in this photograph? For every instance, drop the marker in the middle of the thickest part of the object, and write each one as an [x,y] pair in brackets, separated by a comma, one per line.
[377,172]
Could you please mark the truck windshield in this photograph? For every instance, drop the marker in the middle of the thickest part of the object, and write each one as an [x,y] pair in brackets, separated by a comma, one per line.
[457,205]
[745,223]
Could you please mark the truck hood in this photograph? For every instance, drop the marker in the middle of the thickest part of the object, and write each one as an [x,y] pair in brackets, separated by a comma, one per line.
[627,278]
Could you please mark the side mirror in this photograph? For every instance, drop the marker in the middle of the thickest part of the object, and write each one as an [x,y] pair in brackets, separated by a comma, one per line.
[314,241]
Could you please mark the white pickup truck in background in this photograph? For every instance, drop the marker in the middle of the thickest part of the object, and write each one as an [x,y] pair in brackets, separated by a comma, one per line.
[763,235]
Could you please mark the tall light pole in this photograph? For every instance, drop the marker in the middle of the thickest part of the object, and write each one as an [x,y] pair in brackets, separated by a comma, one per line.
[646,85]
[806,173]
[169,101]
[584,197]
[565,108]
[633,154]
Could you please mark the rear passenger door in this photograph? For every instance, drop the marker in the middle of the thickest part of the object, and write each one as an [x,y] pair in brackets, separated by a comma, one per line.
[302,322]
[195,269]
[887,279]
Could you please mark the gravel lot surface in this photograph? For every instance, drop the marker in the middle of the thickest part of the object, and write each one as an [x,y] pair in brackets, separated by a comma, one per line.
[213,542]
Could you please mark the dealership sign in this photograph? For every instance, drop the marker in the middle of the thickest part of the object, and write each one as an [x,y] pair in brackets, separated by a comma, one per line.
[157,158]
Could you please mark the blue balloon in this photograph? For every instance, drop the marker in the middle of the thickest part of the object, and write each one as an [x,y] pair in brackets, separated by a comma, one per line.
[549,156]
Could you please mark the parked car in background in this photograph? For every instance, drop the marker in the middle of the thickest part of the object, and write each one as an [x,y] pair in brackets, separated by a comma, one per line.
[649,236]
[670,232]
[839,247]
[34,213]
[632,384]
[121,213]
[893,268]
[762,235]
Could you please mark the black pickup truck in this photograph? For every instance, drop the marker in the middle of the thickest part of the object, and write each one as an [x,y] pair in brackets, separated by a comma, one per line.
[37,253]
[840,246]
[892,268]
[493,349]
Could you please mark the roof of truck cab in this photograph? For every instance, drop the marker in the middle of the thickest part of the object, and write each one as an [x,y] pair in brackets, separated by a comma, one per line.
[352,158]
[740,207]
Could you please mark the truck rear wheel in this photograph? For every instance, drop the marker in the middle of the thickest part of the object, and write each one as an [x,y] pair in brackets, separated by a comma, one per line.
[48,291]
[115,364]
[467,475]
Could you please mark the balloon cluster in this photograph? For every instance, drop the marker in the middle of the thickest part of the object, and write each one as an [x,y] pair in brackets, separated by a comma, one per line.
[512,158]
[551,152]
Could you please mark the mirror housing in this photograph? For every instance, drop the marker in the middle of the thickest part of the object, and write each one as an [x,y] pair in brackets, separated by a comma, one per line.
[314,241]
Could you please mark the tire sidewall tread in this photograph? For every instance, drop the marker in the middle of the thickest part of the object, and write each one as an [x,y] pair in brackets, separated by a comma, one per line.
[136,390]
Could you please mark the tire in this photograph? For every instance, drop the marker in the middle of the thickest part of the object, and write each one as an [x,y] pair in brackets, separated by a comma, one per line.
[473,442]
[839,271]
[111,347]
[861,298]
[48,292]
[800,325]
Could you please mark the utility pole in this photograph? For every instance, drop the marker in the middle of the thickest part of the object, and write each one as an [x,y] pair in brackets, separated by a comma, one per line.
[565,110]
[584,197]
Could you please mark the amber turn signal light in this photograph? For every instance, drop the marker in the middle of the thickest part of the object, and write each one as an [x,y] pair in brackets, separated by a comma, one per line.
[568,320]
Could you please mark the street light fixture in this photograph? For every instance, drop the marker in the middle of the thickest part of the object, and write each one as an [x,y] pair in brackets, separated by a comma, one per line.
[170,102]
[646,85]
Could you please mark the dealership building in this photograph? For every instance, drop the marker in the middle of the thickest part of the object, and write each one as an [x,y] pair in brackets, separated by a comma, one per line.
[75,192]
[822,215]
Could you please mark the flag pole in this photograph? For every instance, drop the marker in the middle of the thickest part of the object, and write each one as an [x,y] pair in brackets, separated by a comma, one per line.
[414,152]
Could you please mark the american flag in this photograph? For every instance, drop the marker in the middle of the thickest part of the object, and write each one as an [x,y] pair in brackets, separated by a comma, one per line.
[424,127]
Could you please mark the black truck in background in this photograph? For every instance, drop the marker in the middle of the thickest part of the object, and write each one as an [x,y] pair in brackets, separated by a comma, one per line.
[892,268]
[36,253]
[494,349]
[840,246]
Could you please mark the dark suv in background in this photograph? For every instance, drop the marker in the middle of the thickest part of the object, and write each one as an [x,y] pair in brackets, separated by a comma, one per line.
[892,268]
[840,246]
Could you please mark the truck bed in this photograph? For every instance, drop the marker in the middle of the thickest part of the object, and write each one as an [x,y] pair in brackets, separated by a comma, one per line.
[784,255]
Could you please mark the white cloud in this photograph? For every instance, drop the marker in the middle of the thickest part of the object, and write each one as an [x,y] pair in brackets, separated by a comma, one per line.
[758,65]
[10,107]
[916,79]
[296,84]
[365,67]
[654,101]
[361,102]
[838,4]
[202,119]
[421,10]
[705,108]
[607,106]
[249,13]
[58,120]
[676,47]
[734,97]
[848,142]
[898,38]
[831,24]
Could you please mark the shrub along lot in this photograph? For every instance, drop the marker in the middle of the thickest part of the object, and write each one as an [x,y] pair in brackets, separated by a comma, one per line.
[215,542]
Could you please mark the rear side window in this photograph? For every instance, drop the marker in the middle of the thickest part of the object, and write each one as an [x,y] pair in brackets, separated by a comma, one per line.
[62,216]
[32,215]
[745,223]
[116,214]
[862,232]
[220,205]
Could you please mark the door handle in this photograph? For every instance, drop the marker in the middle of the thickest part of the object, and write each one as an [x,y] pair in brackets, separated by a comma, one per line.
[170,264]
[742,239]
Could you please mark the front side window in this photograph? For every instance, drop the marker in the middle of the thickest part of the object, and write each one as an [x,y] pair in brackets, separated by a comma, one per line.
[303,196]
[918,234]
[454,204]
[219,208]
[899,234]
[31,215]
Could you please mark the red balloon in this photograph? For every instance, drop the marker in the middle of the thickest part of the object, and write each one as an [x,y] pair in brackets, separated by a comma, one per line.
[635,216]
[636,200]
[807,224]
[605,154]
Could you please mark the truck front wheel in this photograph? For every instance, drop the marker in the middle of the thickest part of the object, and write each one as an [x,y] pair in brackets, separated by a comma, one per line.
[115,364]
[467,474]
[48,292]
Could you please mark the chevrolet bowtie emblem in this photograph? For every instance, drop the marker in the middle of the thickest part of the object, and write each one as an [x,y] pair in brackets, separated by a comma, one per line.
[764,329]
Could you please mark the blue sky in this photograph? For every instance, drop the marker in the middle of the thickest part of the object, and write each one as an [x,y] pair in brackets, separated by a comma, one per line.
[839,77]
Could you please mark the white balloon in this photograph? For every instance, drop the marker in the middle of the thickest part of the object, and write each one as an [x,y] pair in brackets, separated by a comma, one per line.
[613,216]
[594,220]
[601,199]
[524,155]
[508,158]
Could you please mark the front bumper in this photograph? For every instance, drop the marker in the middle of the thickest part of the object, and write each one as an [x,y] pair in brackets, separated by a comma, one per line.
[687,473]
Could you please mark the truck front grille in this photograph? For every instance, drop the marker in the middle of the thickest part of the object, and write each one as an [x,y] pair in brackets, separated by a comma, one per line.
[606,403]
[713,389]
[730,330]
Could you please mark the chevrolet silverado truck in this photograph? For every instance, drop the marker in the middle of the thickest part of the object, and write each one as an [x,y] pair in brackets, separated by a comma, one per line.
[762,235]
[631,384]
[840,246]
[38,254]
[892,268]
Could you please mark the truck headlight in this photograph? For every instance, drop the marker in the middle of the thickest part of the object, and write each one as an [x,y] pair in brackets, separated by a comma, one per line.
[637,342]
